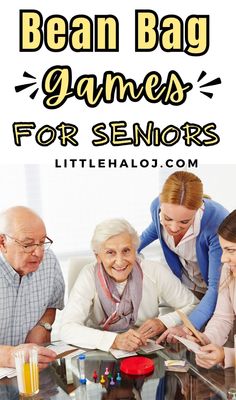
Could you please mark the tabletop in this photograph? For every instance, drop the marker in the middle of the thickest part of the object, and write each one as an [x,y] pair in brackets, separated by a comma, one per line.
[61,379]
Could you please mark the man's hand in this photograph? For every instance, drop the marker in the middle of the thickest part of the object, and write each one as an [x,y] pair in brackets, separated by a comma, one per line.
[151,327]
[129,341]
[39,335]
[168,335]
[213,355]
[45,356]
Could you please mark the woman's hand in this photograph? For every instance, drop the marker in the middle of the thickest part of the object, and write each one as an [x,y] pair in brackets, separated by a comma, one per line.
[151,327]
[213,355]
[190,336]
[129,341]
[168,335]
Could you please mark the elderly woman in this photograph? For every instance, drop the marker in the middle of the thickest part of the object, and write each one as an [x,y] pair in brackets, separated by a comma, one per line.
[114,301]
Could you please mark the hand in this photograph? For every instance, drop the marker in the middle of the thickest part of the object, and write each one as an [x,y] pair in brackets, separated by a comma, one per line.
[45,356]
[129,341]
[151,327]
[168,335]
[214,355]
[39,335]
[190,336]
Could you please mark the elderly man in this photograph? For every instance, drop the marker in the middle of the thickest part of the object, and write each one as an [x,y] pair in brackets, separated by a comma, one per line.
[31,282]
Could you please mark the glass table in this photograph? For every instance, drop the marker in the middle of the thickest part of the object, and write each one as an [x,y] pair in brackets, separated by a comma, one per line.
[61,380]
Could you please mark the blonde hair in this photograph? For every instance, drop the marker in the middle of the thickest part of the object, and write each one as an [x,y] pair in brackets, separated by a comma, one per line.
[184,189]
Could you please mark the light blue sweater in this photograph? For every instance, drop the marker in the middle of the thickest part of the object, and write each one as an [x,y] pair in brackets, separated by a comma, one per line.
[208,254]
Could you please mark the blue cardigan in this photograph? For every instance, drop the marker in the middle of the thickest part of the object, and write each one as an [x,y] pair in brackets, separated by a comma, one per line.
[208,254]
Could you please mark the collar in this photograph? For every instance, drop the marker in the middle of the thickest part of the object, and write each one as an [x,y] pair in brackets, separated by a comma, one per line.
[193,230]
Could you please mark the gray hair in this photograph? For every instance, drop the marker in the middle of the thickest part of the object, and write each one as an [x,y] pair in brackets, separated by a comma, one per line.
[112,227]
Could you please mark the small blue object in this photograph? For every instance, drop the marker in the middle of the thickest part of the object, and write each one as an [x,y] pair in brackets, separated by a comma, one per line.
[83,381]
[118,378]
[81,357]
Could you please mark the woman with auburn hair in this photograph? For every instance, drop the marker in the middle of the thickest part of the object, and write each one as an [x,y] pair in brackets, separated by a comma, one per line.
[220,325]
[186,222]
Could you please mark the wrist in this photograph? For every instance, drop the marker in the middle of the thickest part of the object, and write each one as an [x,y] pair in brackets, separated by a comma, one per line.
[160,326]
[46,325]
[10,360]
[114,344]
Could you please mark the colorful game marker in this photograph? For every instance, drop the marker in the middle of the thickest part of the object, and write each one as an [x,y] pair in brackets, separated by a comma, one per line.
[112,383]
[106,371]
[118,378]
[95,376]
[102,379]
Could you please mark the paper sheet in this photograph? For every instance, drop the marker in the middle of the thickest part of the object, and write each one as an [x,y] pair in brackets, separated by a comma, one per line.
[122,353]
[7,372]
[190,345]
[151,346]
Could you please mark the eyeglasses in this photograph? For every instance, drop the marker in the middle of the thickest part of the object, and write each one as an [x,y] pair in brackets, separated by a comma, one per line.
[30,248]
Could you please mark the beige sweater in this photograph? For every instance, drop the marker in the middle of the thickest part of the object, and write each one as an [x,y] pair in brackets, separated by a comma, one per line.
[221,323]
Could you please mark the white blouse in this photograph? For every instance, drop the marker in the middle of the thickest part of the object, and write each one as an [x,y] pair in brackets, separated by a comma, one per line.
[186,250]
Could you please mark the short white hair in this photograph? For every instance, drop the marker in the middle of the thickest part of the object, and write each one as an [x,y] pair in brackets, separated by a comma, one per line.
[112,227]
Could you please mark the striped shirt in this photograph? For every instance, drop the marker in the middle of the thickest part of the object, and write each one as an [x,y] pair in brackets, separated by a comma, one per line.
[23,300]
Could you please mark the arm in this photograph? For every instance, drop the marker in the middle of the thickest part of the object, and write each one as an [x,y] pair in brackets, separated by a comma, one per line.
[150,233]
[205,309]
[38,334]
[229,360]
[221,323]
[82,304]
[174,294]
[6,356]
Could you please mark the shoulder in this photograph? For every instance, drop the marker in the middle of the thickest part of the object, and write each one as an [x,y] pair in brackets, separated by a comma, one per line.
[155,270]
[50,264]
[155,204]
[49,257]
[226,279]
[87,274]
[214,209]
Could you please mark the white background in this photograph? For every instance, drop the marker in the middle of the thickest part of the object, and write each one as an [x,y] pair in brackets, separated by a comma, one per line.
[72,201]
[217,62]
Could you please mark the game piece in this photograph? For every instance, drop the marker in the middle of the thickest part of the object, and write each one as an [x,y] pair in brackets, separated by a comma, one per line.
[95,376]
[118,378]
[102,379]
[112,383]
[137,366]
[106,371]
